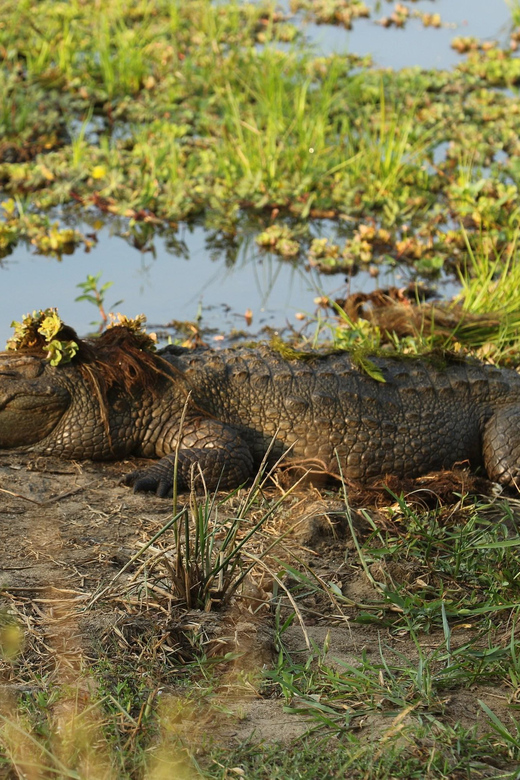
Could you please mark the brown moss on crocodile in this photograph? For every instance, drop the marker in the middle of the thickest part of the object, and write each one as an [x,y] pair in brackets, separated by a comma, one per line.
[117,399]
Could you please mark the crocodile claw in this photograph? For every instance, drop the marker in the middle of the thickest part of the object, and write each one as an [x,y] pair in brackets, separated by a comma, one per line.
[150,480]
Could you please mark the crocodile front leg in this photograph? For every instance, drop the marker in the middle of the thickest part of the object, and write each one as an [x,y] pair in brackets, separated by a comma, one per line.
[210,447]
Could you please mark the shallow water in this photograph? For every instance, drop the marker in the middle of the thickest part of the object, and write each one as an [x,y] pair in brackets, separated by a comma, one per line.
[415,45]
[173,287]
[168,287]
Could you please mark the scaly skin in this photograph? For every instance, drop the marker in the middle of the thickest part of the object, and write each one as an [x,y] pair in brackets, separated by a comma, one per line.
[239,401]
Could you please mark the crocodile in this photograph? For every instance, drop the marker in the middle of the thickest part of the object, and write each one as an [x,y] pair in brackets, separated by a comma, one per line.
[214,416]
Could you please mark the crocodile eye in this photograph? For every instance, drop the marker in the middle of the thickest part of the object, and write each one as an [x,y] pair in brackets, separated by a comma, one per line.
[21,367]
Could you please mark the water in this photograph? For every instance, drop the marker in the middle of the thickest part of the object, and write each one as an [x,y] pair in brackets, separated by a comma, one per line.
[415,45]
[170,287]
[176,287]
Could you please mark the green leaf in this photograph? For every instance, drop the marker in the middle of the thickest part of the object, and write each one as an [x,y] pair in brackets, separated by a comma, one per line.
[370,368]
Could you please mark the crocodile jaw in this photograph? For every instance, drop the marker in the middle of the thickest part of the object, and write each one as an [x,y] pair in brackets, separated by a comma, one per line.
[31,404]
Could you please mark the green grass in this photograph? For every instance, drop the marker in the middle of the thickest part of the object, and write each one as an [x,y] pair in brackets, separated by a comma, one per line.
[514,6]
[195,109]
[408,754]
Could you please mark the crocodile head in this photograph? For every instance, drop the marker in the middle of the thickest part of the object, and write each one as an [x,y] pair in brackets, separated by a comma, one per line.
[102,405]
[32,400]
[59,410]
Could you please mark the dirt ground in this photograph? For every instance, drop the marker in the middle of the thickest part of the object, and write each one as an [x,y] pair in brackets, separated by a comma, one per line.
[67,530]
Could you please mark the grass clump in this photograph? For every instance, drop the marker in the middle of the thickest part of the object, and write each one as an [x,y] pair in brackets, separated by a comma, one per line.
[482,320]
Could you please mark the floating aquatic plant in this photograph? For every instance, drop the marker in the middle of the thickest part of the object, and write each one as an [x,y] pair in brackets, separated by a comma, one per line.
[41,329]
[136,326]
[280,240]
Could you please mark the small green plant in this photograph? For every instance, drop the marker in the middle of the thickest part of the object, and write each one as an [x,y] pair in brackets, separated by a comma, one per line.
[209,566]
[514,6]
[94,294]
[510,737]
